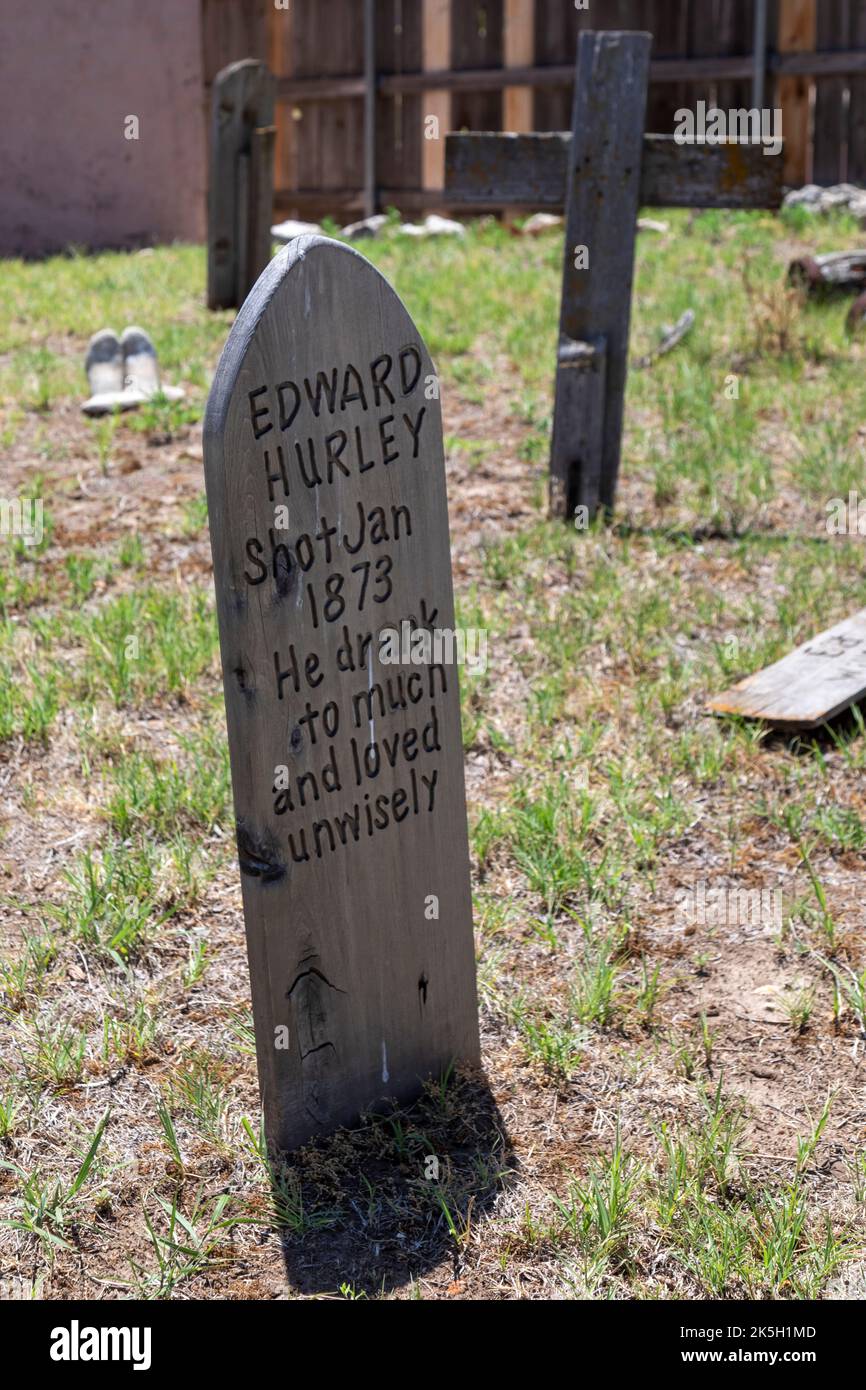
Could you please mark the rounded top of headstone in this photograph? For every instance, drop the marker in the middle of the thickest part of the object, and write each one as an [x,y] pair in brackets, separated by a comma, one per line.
[344,268]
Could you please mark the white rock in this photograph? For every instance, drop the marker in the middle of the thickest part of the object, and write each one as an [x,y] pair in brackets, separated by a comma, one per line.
[370,226]
[541,222]
[800,197]
[649,224]
[287,231]
[839,195]
[433,226]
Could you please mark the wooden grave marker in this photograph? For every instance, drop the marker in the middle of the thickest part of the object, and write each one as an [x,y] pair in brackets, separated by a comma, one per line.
[807,687]
[600,173]
[241,182]
[326,493]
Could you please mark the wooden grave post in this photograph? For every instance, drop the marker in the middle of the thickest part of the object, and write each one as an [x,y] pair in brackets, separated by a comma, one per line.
[601,172]
[325,479]
[241,187]
[602,196]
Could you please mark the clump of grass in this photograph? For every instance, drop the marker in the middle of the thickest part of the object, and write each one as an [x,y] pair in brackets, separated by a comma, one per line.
[597,1211]
[56,1056]
[197,1089]
[21,979]
[111,903]
[556,1044]
[596,977]
[131,1039]
[46,1208]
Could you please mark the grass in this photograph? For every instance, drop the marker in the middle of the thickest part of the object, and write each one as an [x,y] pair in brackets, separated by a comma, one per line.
[632,1139]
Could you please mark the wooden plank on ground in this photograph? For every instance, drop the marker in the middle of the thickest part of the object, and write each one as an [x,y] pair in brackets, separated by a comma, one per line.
[489,170]
[807,687]
[325,475]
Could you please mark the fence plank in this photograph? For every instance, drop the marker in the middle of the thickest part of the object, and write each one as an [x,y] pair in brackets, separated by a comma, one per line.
[796,33]
[530,171]
[670,26]
[281,51]
[477,43]
[856,172]
[830,114]
[399,118]
[518,45]
[436,42]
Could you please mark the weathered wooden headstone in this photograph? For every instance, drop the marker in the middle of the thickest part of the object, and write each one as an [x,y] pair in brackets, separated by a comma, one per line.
[807,687]
[241,184]
[329,527]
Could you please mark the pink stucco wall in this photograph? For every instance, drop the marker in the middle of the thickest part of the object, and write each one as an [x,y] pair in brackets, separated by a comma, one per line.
[71,71]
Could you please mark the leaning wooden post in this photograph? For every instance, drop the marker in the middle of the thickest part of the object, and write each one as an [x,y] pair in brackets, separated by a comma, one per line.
[240,190]
[602,197]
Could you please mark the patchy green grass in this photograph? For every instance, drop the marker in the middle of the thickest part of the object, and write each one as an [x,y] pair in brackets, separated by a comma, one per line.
[644,1129]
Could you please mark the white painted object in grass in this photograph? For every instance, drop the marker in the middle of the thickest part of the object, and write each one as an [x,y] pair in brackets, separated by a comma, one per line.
[541,222]
[288,230]
[433,226]
[123,373]
[368,227]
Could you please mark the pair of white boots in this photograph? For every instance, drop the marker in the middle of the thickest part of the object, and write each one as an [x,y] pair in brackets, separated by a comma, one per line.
[123,372]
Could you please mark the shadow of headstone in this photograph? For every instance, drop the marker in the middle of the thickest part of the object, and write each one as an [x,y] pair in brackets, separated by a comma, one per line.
[372,1209]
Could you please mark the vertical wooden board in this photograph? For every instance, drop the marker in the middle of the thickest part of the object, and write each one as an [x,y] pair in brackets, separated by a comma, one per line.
[856,172]
[604,174]
[435,57]
[399,127]
[671,28]
[329,41]
[830,114]
[243,99]
[730,33]
[399,122]
[476,42]
[518,50]
[232,30]
[796,34]
[556,29]
[281,48]
[339,866]
[370,180]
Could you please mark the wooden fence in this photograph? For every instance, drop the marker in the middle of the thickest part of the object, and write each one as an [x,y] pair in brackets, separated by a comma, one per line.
[359,80]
